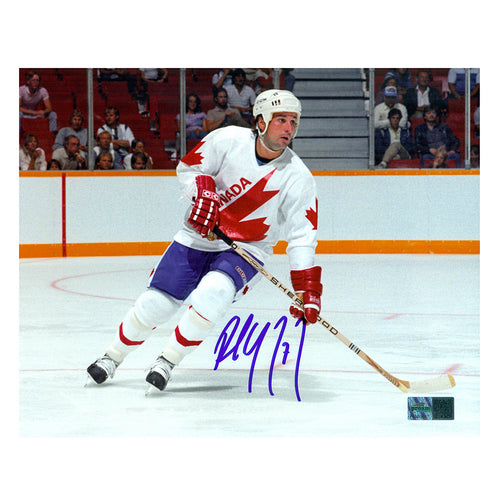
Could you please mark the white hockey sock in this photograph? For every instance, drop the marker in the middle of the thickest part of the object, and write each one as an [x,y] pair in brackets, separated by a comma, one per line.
[190,332]
[131,334]
[210,301]
[151,309]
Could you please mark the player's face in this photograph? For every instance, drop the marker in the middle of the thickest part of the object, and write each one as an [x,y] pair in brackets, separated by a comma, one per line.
[280,130]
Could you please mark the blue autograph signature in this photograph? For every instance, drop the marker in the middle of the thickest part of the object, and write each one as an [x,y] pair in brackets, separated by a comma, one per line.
[228,344]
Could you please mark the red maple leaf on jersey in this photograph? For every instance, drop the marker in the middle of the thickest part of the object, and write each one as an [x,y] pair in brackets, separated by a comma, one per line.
[312,215]
[194,157]
[231,217]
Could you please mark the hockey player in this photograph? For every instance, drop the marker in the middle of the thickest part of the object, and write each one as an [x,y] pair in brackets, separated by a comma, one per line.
[252,185]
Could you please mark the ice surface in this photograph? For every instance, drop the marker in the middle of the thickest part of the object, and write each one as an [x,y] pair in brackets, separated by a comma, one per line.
[417,316]
[348,436]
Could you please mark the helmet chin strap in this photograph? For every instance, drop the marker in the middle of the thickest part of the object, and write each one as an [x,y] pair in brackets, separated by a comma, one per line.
[267,147]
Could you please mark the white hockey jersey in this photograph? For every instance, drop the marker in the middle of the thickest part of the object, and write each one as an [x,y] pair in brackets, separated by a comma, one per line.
[260,203]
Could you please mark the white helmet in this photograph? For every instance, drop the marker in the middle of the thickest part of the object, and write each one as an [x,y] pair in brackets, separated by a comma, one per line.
[274,100]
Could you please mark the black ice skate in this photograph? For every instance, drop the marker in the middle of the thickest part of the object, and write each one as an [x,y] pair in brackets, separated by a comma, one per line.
[102,369]
[159,374]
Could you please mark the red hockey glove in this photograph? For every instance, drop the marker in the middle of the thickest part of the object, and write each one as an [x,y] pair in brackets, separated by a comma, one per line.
[307,285]
[205,213]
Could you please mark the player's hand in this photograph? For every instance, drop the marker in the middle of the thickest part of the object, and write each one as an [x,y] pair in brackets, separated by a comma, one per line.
[308,287]
[205,212]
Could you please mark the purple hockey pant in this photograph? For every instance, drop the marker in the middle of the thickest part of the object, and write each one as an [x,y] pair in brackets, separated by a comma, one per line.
[181,269]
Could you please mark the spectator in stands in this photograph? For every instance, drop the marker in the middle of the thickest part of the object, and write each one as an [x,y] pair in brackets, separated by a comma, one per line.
[439,159]
[69,155]
[264,80]
[75,128]
[53,165]
[146,75]
[31,96]
[222,78]
[393,142]
[381,112]
[456,82]
[138,146]
[118,75]
[476,123]
[31,157]
[139,161]
[112,74]
[195,118]
[474,156]
[250,76]
[222,115]
[121,134]
[104,161]
[240,95]
[389,81]
[104,146]
[403,79]
[289,79]
[153,74]
[431,135]
[416,98]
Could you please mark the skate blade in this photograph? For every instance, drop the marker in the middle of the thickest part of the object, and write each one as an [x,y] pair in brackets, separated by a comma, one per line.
[90,381]
[151,389]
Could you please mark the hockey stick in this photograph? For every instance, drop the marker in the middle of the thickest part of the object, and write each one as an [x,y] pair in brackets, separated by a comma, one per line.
[439,383]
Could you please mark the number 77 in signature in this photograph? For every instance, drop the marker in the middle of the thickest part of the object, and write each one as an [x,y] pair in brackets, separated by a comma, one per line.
[228,344]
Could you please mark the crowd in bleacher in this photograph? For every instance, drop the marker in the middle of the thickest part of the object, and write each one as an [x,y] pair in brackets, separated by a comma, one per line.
[136,114]
[418,116]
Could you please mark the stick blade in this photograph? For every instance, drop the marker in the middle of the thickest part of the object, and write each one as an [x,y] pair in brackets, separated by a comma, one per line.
[441,383]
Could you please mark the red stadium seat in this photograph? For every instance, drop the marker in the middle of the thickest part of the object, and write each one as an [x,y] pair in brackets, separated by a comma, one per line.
[411,163]
[168,127]
[35,126]
[456,106]
[448,163]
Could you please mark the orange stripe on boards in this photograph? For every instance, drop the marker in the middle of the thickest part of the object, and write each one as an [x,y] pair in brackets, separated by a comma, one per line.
[316,173]
[398,247]
[392,172]
[391,246]
[29,251]
[115,249]
[39,250]
[99,173]
[324,247]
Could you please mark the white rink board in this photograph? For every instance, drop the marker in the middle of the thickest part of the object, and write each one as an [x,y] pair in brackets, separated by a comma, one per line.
[351,207]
